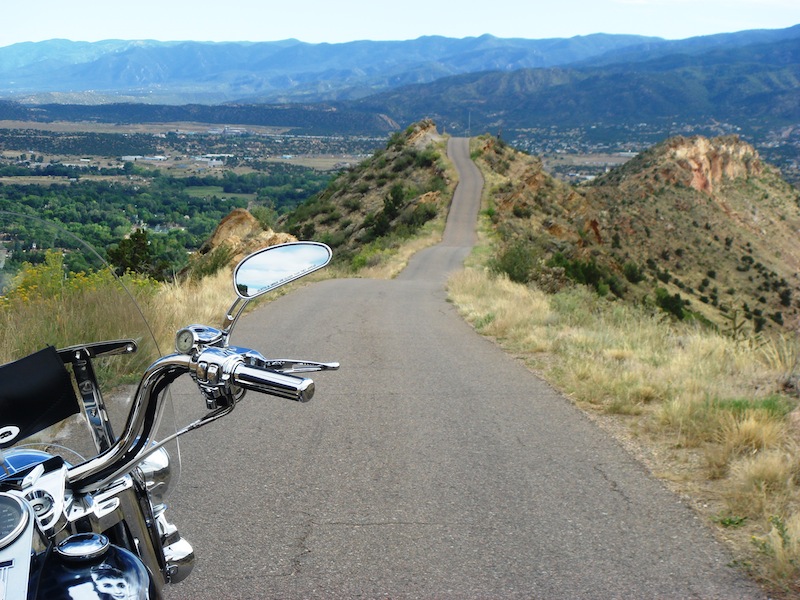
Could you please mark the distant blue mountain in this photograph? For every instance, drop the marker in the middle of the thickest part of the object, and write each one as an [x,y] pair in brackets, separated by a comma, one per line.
[753,85]
[282,71]
[292,71]
[747,78]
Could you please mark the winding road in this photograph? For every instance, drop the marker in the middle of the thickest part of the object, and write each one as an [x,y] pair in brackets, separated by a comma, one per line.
[431,465]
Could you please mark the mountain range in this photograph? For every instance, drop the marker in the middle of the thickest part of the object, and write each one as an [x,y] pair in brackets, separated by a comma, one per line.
[750,78]
[282,71]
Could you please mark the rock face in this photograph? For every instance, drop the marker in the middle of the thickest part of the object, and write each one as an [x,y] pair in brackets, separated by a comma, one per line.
[242,232]
[707,162]
[424,133]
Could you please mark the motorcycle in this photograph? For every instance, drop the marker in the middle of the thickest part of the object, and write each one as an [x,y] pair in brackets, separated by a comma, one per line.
[92,528]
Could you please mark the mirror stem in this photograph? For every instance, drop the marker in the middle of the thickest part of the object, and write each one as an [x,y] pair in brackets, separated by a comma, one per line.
[233,314]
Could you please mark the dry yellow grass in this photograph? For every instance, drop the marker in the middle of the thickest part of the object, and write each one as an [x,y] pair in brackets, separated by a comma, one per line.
[179,304]
[783,543]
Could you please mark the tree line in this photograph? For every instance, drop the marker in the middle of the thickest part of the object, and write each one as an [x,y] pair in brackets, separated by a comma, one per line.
[161,212]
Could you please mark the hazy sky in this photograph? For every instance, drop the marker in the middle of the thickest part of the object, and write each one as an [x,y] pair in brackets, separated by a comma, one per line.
[349,20]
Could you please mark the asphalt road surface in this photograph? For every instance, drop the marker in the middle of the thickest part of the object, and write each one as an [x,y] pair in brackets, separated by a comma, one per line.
[431,465]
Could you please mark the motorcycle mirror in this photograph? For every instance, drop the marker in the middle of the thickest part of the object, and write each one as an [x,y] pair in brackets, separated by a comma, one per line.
[275,266]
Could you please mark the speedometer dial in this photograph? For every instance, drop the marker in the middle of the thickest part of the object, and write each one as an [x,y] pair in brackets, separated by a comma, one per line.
[13,518]
[184,341]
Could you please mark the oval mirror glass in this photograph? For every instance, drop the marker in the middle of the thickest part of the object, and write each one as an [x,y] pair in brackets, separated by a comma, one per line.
[275,266]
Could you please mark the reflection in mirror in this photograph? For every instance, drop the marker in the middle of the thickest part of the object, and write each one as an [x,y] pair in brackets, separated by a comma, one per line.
[275,266]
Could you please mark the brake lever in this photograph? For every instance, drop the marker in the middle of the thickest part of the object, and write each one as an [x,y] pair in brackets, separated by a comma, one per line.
[290,365]
[254,358]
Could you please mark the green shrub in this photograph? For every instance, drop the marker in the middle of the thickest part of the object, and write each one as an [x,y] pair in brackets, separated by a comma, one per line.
[437,183]
[588,272]
[672,304]
[265,215]
[211,262]
[334,239]
[517,260]
[422,213]
[352,204]
[633,272]
[331,217]
[521,211]
[426,158]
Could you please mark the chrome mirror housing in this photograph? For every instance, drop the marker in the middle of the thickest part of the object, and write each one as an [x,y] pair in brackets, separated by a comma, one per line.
[272,267]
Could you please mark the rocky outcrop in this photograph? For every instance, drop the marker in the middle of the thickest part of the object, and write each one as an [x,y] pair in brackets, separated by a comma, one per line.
[703,163]
[424,133]
[243,234]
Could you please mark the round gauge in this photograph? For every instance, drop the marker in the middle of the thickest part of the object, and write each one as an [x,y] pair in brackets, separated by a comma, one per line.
[184,341]
[13,518]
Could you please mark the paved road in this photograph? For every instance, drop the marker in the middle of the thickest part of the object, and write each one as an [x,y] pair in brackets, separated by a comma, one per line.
[430,466]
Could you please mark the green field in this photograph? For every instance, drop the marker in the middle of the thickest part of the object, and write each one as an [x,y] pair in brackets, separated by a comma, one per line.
[209,191]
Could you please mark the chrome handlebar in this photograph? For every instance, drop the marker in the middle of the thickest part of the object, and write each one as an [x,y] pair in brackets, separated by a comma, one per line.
[143,418]
[221,374]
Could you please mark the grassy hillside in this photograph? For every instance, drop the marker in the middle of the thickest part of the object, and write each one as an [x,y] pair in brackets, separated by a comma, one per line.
[700,228]
[382,201]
